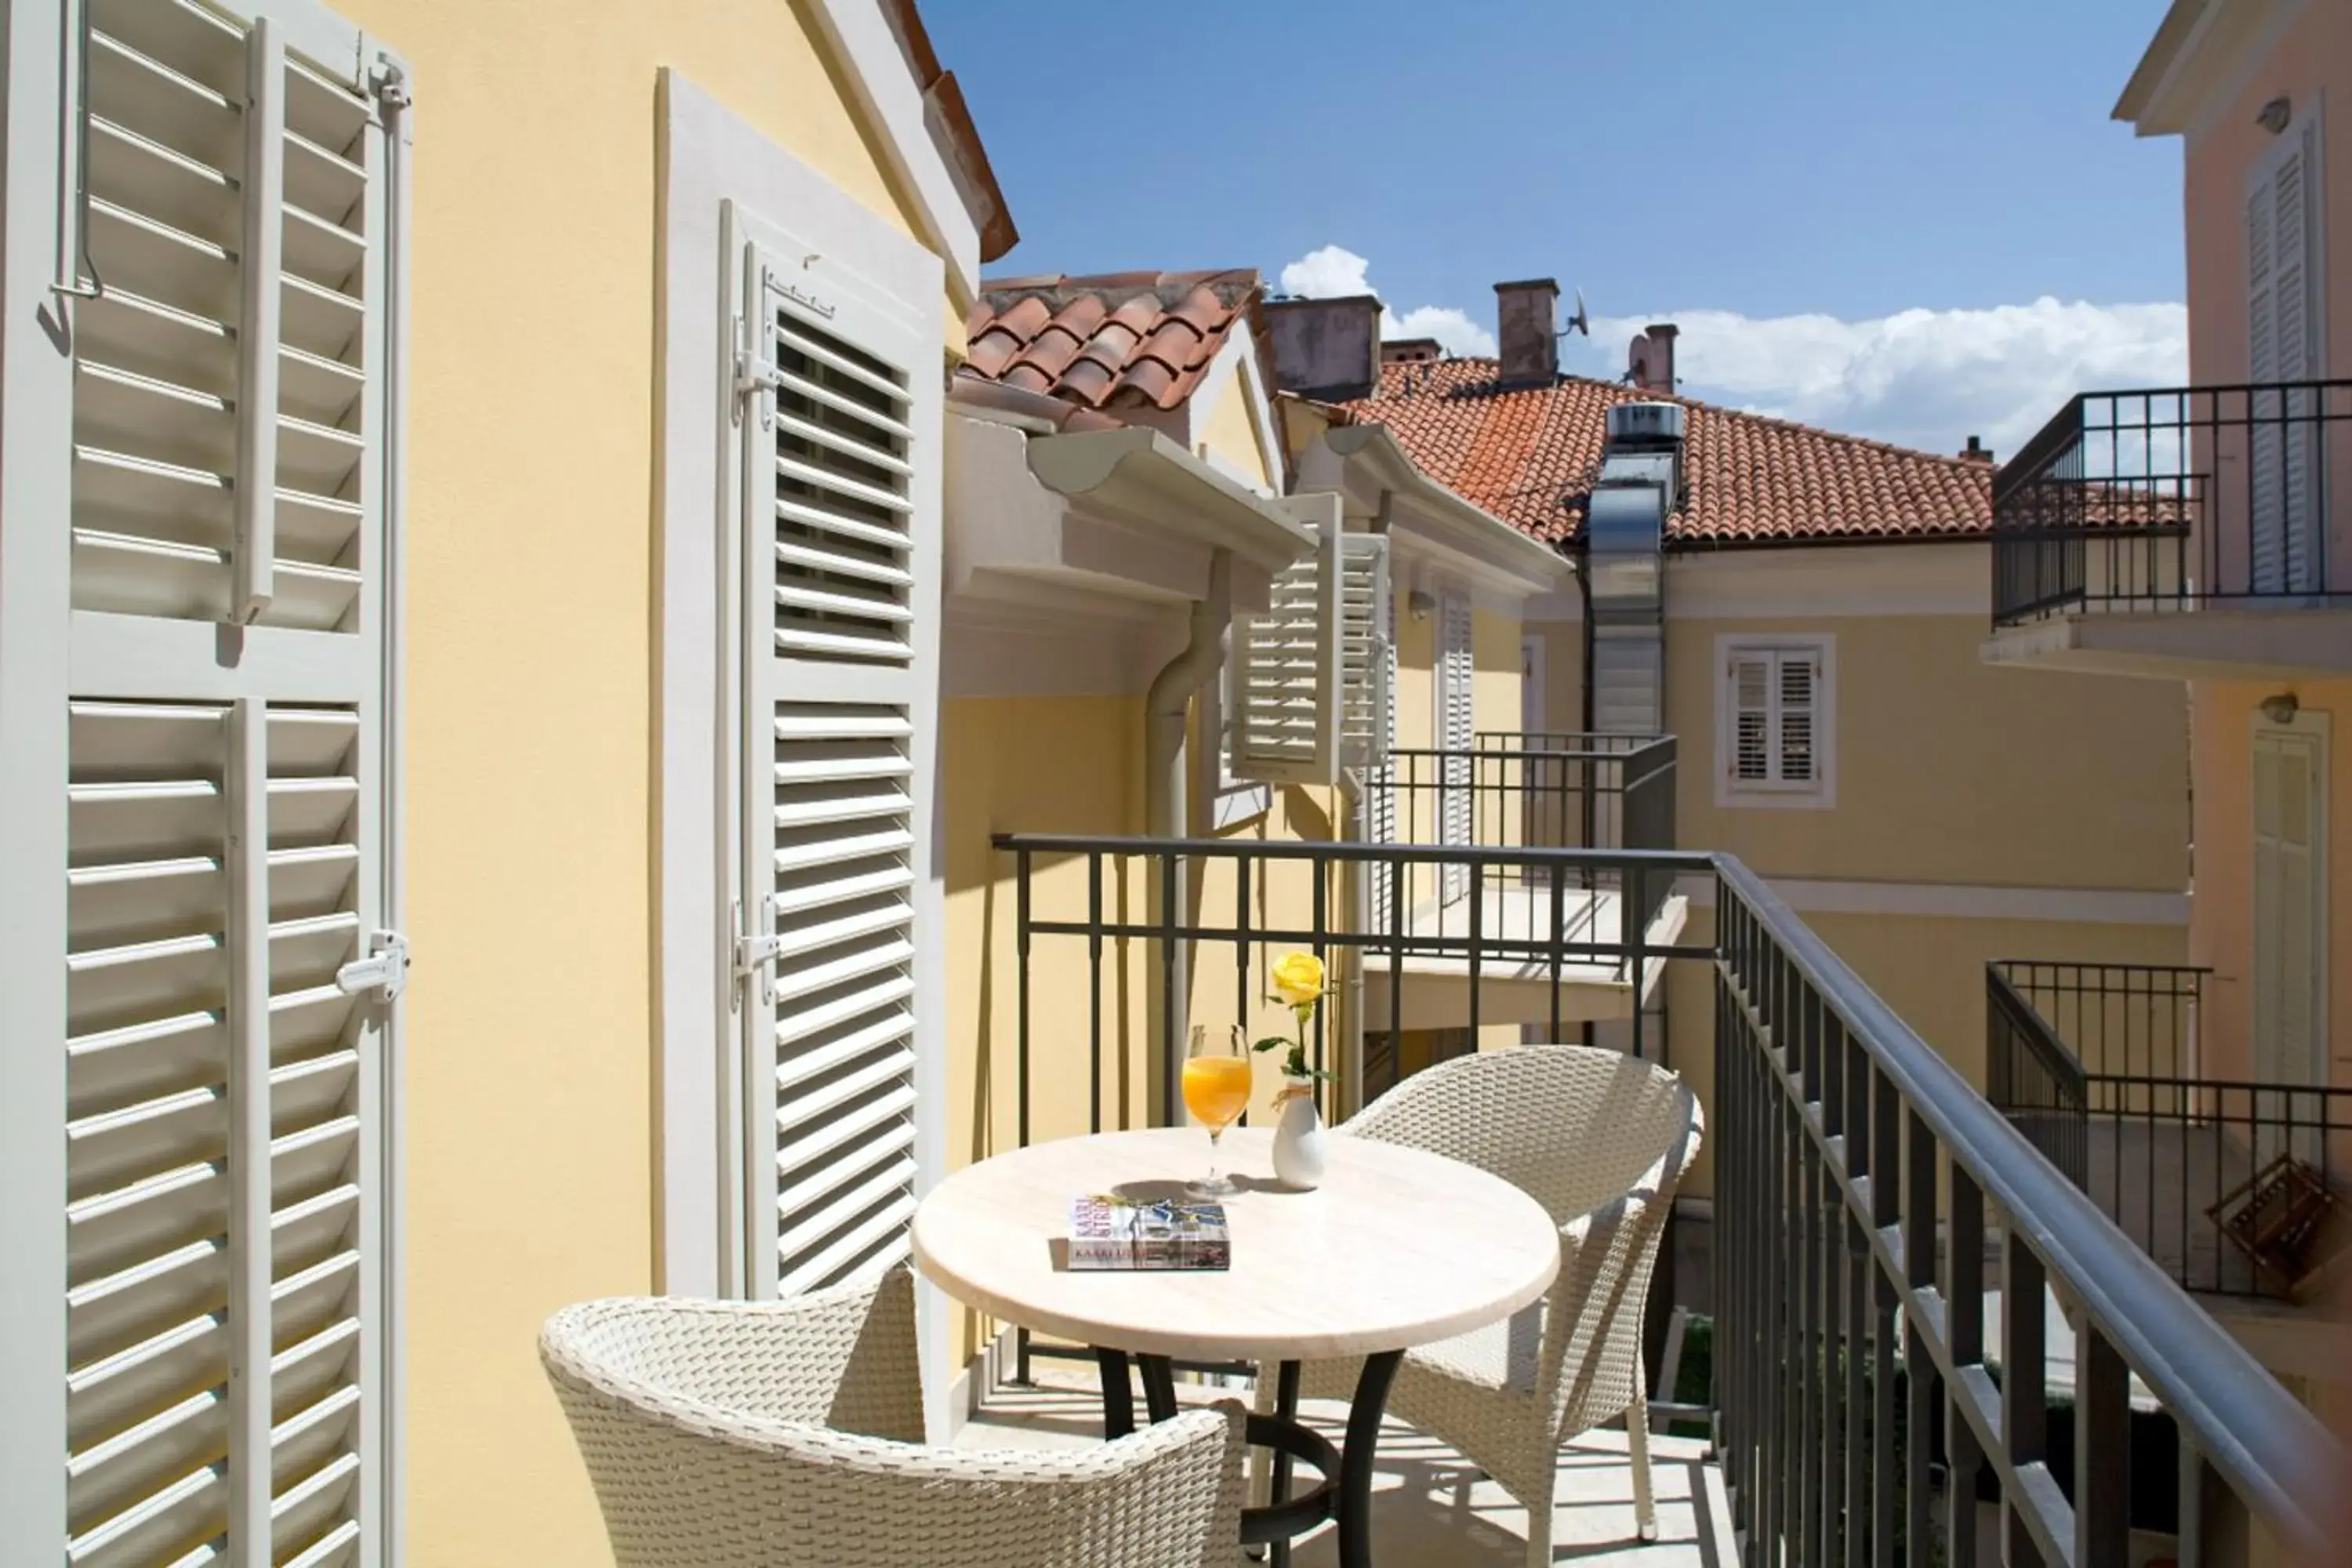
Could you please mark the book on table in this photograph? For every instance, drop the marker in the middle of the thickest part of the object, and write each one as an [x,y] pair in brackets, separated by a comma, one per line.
[1109,1234]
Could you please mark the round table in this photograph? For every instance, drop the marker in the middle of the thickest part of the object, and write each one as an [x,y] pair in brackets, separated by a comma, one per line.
[1398,1247]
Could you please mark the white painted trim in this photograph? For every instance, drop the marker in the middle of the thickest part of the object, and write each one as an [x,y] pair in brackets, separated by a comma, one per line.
[35,483]
[1960,901]
[1239,351]
[708,156]
[1732,796]
[866,52]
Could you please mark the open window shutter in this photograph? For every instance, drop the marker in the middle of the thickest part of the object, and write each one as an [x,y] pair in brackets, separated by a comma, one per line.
[839,579]
[228,967]
[1455,732]
[2283,346]
[1796,678]
[1364,717]
[1286,673]
[1750,678]
[1380,782]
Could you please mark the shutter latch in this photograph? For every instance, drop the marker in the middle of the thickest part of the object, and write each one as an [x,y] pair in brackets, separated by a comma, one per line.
[756,952]
[756,378]
[384,969]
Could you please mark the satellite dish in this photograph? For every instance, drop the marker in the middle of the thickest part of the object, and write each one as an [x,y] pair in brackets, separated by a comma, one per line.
[1580,322]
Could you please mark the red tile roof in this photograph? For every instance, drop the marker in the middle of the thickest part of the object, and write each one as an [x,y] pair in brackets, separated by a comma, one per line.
[1115,339]
[1531,455]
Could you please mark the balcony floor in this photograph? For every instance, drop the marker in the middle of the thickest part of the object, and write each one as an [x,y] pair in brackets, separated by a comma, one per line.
[1429,1507]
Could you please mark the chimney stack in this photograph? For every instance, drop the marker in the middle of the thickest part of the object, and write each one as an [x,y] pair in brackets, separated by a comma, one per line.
[1410,351]
[1978,452]
[1524,313]
[1325,348]
[1649,358]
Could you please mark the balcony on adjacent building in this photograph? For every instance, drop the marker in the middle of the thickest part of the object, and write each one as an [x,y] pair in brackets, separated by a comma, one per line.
[2185,532]
[2234,1184]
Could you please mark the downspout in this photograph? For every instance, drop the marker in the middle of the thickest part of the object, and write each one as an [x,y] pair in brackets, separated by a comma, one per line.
[1167,712]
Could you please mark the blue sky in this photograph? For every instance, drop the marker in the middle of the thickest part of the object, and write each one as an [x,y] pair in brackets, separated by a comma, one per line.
[1909,221]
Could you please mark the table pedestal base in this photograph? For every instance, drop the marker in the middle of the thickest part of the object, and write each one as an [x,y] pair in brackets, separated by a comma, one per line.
[1345,1493]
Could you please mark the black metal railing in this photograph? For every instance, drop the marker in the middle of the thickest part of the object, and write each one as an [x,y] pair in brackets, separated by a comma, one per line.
[2224,1181]
[1878,1393]
[2175,499]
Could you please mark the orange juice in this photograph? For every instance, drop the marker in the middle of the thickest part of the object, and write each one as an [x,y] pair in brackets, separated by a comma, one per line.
[1216,1089]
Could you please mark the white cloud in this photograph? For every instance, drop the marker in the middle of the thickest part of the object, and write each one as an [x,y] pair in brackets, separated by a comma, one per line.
[1919,378]
[1333,270]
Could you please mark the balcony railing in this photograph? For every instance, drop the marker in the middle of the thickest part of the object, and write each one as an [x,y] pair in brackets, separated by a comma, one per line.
[2226,1183]
[2177,498]
[1877,1392]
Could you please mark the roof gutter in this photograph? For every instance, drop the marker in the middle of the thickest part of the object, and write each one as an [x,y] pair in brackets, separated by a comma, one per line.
[1142,473]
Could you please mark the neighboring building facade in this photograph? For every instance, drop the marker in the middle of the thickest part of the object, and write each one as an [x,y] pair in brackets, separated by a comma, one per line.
[2235,578]
[461,282]
[1815,655]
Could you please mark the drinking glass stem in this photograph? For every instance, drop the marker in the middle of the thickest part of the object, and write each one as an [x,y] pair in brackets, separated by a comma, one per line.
[1214,1133]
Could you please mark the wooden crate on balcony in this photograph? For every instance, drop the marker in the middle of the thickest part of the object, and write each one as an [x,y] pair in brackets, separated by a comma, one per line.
[2286,1221]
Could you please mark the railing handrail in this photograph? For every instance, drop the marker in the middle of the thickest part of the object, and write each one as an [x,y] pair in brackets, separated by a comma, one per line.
[2041,1036]
[2039,451]
[2273,1451]
[1533,854]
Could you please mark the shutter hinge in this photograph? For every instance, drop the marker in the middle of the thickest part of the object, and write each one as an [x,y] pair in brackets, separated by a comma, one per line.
[389,81]
[756,378]
[755,953]
[384,969]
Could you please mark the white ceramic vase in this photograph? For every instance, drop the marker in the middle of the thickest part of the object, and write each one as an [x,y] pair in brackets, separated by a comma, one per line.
[1298,1138]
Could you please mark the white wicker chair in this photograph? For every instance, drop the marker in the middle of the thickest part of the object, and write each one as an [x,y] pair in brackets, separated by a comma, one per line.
[783,1434]
[1601,1140]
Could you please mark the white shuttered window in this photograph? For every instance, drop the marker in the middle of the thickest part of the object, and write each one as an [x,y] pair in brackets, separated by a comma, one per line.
[220,818]
[838,421]
[1774,722]
[2283,292]
[1311,674]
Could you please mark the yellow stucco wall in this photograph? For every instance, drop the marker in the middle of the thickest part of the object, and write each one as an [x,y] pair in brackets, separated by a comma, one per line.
[1950,770]
[528,1109]
[1229,431]
[1044,764]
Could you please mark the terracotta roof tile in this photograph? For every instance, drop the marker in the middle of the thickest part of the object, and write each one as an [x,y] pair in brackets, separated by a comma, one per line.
[1531,455]
[1115,340]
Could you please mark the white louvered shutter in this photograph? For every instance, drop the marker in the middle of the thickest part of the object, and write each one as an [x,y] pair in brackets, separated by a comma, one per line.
[1380,774]
[226,968]
[838,609]
[2283,280]
[1456,728]
[1365,712]
[1286,674]
[1775,727]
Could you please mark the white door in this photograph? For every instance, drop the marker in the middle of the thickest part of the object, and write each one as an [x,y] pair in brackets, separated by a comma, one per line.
[2290,922]
[198,601]
[838,586]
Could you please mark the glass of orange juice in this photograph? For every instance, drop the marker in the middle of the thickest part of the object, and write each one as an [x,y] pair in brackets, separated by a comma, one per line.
[1216,1091]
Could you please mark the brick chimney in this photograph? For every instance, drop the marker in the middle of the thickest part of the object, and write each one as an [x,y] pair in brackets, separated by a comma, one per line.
[1524,325]
[1976,452]
[1650,357]
[1327,349]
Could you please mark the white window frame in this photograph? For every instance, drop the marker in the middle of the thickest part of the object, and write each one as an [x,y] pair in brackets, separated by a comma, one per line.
[1733,794]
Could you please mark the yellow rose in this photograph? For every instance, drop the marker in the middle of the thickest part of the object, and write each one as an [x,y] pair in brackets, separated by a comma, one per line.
[1298,978]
